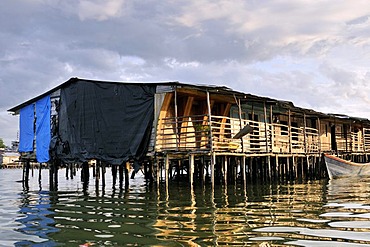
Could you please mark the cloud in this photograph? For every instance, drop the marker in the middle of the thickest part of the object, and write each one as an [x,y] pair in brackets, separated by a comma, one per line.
[312,53]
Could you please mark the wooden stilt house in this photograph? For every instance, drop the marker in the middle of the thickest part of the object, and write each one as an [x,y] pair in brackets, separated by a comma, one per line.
[117,122]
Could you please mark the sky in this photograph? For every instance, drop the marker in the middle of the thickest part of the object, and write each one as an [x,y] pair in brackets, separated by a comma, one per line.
[315,54]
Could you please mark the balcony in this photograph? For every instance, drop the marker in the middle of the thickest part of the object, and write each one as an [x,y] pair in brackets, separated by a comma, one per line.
[197,134]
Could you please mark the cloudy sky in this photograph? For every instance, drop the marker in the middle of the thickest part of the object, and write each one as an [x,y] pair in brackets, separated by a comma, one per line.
[313,53]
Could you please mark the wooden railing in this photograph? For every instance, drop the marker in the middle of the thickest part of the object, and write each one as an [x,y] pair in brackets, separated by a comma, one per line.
[366,139]
[196,133]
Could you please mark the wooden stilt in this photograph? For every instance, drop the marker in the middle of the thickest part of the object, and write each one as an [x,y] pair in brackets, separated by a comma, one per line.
[127,175]
[51,176]
[213,163]
[191,169]
[158,172]
[178,167]
[243,170]
[225,167]
[97,175]
[56,174]
[269,170]
[114,175]
[40,169]
[27,170]
[146,172]
[251,170]
[202,173]
[150,172]
[120,174]
[85,172]
[103,174]
[72,170]
[67,171]
[167,168]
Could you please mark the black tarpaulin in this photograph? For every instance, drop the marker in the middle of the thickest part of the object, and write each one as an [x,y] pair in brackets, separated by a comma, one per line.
[105,121]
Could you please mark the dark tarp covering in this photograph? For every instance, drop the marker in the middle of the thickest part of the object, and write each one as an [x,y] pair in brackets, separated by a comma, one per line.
[105,121]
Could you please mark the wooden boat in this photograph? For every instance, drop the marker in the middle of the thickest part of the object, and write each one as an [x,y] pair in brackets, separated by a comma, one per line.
[338,167]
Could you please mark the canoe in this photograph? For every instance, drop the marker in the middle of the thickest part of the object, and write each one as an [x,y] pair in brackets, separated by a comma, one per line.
[338,167]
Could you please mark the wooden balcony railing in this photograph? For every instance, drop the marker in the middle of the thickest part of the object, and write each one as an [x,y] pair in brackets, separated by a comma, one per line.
[197,133]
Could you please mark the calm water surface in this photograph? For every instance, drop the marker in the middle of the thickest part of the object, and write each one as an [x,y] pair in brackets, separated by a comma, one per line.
[318,213]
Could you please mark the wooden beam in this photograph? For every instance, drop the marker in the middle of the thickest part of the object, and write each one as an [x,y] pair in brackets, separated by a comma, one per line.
[163,112]
[188,106]
[201,94]
[185,119]
[165,105]
[225,113]
[187,112]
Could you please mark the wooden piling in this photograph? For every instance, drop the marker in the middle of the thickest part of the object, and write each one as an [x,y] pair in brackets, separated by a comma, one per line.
[114,175]
[120,172]
[213,163]
[191,169]
[126,170]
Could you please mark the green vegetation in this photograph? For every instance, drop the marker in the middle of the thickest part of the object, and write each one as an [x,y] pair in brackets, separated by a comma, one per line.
[2,145]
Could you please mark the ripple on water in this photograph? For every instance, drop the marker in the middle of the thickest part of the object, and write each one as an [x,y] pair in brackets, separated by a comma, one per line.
[323,233]
[307,214]
[351,224]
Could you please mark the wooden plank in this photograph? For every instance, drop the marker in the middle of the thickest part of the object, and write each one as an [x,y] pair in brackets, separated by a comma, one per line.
[185,119]
[225,113]
[162,114]
[201,94]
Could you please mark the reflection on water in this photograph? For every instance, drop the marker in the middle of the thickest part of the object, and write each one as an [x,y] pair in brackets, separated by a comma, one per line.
[318,213]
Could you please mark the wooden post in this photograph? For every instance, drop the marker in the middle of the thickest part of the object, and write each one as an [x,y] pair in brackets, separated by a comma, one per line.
[225,167]
[51,172]
[114,175]
[304,133]
[151,171]
[251,170]
[319,134]
[288,168]
[27,170]
[210,121]
[213,163]
[103,174]
[295,166]
[67,170]
[269,170]
[167,168]
[146,172]
[57,164]
[266,132]
[290,131]
[120,173]
[276,169]
[240,120]
[97,174]
[244,177]
[126,169]
[176,121]
[202,174]
[158,172]
[191,169]
[85,174]
[40,169]
[71,170]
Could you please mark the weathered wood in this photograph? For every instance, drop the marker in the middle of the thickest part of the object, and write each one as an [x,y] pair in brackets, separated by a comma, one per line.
[191,169]
[114,175]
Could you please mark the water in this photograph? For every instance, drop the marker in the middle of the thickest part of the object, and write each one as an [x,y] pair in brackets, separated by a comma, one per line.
[317,213]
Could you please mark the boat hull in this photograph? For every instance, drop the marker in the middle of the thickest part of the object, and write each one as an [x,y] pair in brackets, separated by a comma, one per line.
[338,167]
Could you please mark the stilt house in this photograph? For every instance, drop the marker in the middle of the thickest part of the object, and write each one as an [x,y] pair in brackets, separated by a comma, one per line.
[116,122]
